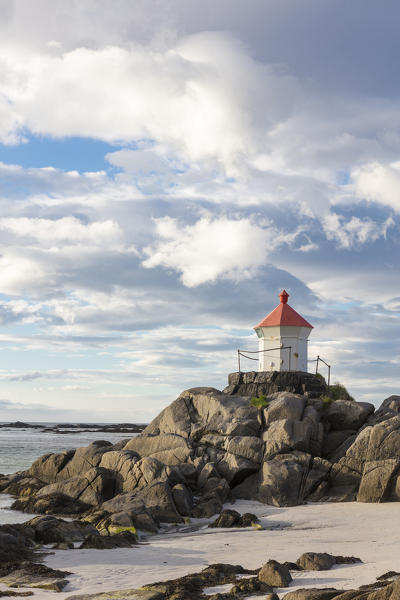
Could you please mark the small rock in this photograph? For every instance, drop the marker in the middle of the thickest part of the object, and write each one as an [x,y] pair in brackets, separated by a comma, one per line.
[275,574]
[312,594]
[248,520]
[227,518]
[316,561]
[126,539]
[250,586]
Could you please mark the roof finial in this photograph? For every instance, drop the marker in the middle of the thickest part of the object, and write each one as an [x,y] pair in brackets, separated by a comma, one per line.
[284,296]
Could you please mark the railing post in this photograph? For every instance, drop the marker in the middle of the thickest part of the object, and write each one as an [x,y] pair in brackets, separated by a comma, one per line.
[329,376]
[316,368]
[290,358]
[239,359]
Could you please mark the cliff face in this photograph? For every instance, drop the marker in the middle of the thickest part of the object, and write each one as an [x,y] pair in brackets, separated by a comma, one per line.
[210,445]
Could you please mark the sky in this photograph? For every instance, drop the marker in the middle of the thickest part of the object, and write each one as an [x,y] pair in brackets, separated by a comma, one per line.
[167,167]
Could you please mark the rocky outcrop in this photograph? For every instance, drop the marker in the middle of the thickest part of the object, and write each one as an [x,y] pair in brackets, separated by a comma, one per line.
[96,485]
[254,383]
[201,411]
[209,446]
[344,415]
[67,465]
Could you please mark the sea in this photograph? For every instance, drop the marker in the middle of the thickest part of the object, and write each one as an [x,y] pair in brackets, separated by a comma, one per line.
[19,447]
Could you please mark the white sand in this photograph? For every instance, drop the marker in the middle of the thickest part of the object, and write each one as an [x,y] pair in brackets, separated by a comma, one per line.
[368,531]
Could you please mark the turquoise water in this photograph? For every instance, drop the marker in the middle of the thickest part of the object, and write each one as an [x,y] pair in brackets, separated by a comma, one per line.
[20,447]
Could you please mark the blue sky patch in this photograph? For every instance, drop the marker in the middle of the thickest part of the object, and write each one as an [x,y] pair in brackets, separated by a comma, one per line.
[69,154]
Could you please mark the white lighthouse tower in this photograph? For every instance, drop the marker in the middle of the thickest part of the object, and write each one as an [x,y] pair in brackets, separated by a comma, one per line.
[283,336]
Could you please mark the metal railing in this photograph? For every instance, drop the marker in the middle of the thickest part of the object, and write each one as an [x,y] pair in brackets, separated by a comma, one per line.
[318,360]
[242,353]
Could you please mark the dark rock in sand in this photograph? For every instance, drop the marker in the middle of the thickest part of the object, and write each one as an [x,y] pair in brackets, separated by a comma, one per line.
[49,530]
[125,539]
[227,518]
[248,520]
[316,561]
[321,561]
[249,587]
[275,574]
[36,576]
[312,594]
[231,518]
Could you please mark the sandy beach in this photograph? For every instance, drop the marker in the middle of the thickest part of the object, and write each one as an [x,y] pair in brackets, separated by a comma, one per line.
[368,531]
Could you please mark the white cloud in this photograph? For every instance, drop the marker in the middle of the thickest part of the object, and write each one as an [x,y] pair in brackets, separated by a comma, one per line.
[354,231]
[204,98]
[211,248]
[183,97]
[64,231]
[379,183]
[21,274]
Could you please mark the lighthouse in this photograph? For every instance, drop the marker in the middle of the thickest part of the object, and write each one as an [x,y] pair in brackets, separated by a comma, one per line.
[283,336]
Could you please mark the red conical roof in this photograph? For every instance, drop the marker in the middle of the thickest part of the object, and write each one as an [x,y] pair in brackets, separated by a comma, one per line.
[284,314]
